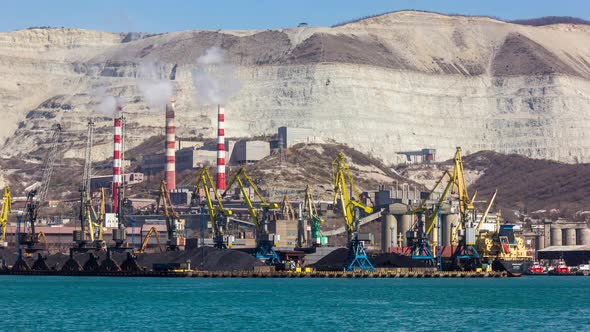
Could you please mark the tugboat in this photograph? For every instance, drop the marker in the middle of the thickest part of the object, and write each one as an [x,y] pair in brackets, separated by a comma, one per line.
[561,269]
[536,269]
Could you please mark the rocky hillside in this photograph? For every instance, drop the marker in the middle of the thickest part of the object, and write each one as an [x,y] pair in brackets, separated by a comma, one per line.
[399,81]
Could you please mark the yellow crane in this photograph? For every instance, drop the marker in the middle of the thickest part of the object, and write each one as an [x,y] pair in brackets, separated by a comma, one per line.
[174,225]
[349,196]
[287,209]
[217,212]
[265,241]
[465,255]
[6,209]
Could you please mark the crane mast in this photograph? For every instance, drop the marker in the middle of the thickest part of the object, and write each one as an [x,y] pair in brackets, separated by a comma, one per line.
[217,213]
[265,241]
[347,193]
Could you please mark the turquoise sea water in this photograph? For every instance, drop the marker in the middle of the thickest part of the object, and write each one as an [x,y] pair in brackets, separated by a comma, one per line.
[165,304]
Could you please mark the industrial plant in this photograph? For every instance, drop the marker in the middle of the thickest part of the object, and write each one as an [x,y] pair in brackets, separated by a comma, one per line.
[229,225]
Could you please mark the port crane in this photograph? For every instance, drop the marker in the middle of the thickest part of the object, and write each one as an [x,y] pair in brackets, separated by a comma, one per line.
[217,212]
[90,234]
[310,210]
[36,198]
[265,241]
[174,225]
[418,237]
[347,193]
[465,255]
[6,209]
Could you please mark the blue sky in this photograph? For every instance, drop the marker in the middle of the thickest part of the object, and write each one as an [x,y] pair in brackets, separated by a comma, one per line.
[174,15]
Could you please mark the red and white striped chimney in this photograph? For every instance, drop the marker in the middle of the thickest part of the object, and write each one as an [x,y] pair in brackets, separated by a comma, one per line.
[220,148]
[117,162]
[170,146]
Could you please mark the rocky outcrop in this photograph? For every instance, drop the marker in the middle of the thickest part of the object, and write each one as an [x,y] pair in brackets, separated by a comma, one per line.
[399,81]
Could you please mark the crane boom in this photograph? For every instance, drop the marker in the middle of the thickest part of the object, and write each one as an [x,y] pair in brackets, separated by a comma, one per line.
[312,214]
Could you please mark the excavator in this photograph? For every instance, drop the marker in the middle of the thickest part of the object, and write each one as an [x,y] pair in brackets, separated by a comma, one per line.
[146,240]
[349,197]
[217,213]
[35,199]
[418,237]
[317,238]
[174,225]
[265,241]
[6,209]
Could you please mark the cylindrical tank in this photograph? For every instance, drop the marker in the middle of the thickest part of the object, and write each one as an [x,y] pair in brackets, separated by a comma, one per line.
[388,232]
[404,224]
[583,236]
[569,236]
[540,242]
[449,221]
[556,238]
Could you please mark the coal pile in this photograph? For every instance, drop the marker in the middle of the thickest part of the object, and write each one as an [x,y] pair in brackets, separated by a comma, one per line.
[336,260]
[214,259]
[333,261]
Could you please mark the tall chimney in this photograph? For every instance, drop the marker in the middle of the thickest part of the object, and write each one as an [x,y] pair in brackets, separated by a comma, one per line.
[170,146]
[117,162]
[220,148]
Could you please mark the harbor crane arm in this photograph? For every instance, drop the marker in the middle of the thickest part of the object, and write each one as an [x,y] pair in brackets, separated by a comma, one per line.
[357,257]
[485,214]
[342,189]
[6,208]
[217,213]
[265,241]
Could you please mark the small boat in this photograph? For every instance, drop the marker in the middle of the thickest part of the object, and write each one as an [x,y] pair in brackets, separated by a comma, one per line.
[536,268]
[561,269]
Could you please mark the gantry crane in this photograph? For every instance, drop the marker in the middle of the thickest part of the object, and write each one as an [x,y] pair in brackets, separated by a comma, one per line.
[174,225]
[217,212]
[349,198]
[317,238]
[265,241]
[36,198]
[6,209]
[418,237]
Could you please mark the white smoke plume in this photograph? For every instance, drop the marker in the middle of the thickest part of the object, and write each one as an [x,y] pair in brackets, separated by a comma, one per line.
[214,78]
[156,90]
[108,103]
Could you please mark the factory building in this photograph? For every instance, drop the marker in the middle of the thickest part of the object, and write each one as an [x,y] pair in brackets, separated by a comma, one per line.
[248,152]
[288,137]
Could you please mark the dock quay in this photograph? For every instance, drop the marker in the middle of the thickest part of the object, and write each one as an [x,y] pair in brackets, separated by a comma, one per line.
[271,274]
